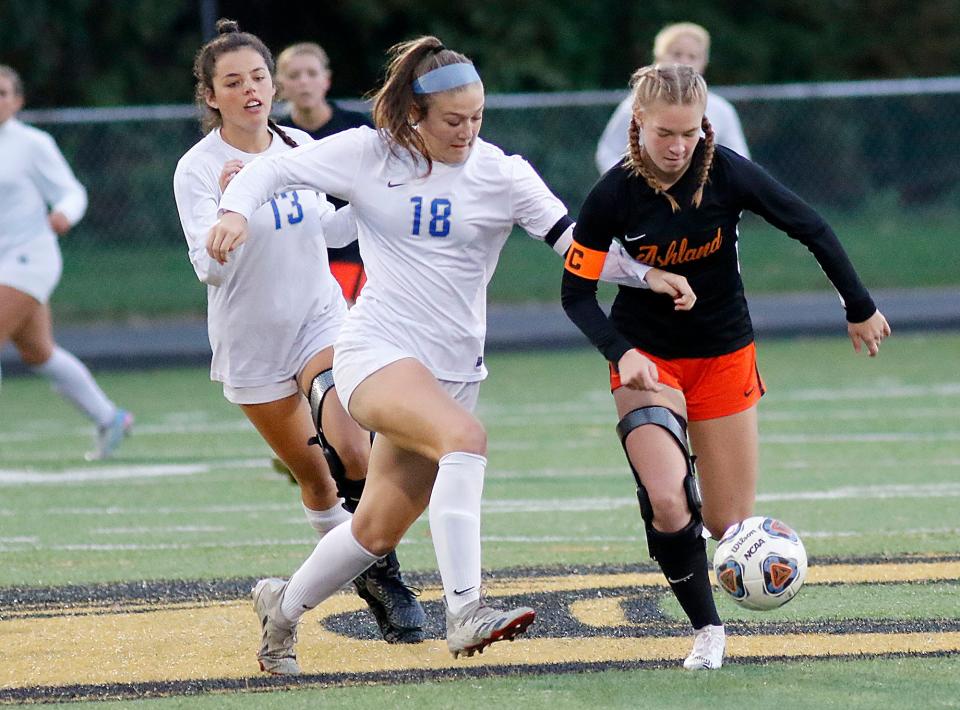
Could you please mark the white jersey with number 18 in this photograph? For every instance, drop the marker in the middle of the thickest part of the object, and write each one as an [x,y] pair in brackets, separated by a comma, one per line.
[429,243]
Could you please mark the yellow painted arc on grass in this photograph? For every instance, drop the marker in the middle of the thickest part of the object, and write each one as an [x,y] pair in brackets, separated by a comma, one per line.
[193,641]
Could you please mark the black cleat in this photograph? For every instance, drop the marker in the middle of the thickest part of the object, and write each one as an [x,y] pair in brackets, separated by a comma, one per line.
[394,604]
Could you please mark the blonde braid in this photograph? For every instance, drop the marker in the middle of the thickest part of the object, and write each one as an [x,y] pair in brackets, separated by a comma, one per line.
[709,147]
[672,84]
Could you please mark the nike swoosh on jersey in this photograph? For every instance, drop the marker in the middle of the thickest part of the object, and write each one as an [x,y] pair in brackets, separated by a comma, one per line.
[628,238]
[395,184]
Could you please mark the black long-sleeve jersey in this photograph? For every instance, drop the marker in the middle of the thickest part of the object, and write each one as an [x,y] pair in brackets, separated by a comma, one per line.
[699,243]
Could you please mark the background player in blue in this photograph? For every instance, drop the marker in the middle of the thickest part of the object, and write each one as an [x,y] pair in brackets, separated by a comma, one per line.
[434,205]
[274,312]
[41,200]
[303,78]
[675,203]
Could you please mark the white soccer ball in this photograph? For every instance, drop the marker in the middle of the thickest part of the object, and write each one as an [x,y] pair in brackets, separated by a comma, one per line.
[760,563]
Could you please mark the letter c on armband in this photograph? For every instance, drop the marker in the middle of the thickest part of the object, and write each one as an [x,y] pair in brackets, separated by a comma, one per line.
[584,262]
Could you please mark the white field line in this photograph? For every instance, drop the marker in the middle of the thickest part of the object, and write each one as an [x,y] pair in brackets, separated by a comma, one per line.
[306,542]
[900,491]
[862,438]
[143,530]
[879,492]
[121,472]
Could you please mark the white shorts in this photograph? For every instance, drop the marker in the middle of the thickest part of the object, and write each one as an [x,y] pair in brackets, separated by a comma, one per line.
[354,360]
[33,268]
[319,334]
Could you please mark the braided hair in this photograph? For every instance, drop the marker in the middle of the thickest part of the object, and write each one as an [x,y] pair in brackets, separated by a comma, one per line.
[673,84]
[229,39]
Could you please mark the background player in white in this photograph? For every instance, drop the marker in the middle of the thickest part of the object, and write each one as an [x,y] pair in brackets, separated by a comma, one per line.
[40,199]
[275,310]
[680,43]
[434,205]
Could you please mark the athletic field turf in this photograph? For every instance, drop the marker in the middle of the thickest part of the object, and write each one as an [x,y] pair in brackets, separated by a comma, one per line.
[130,579]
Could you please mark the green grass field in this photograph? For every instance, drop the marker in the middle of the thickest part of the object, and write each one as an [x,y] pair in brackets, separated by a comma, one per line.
[861,456]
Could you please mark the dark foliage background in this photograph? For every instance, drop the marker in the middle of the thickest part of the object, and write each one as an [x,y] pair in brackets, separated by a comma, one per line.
[115,52]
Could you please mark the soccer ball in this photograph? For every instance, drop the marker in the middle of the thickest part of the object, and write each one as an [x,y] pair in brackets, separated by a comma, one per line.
[760,563]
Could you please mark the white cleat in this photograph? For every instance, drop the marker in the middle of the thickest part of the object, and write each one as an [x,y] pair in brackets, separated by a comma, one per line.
[709,643]
[479,625]
[110,436]
[278,636]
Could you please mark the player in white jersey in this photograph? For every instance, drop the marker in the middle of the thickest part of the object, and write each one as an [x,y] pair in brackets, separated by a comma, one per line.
[275,310]
[678,43]
[434,205]
[40,199]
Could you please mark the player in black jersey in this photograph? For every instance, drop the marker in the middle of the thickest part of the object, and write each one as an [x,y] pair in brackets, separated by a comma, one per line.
[303,73]
[674,202]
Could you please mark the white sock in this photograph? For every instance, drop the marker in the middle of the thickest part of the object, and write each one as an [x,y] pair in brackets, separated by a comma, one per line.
[73,381]
[323,521]
[334,562]
[455,526]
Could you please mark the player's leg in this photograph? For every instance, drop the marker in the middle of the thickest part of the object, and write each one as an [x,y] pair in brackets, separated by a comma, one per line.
[728,462]
[71,379]
[346,448]
[404,403]
[286,426]
[399,488]
[345,445]
[653,433]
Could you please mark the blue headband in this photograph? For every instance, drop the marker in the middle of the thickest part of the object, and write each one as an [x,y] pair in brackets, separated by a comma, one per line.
[445,78]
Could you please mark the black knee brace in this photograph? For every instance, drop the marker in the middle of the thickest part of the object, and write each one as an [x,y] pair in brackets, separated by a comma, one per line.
[671,421]
[347,489]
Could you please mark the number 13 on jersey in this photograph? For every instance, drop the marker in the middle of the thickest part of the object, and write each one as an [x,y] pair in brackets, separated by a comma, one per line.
[439,224]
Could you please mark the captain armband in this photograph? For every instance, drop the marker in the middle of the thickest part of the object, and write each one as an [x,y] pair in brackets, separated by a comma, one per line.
[585,262]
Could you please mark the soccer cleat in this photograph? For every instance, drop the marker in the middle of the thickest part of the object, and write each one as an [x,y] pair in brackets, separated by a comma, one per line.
[110,436]
[393,603]
[709,643]
[480,625]
[278,636]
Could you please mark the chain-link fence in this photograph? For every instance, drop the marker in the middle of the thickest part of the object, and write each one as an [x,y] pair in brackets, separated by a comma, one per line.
[840,146]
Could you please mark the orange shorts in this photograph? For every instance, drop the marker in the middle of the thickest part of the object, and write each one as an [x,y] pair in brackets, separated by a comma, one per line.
[350,276]
[712,386]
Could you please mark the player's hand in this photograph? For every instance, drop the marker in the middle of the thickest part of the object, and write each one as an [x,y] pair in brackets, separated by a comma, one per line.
[230,168]
[229,232]
[870,332]
[673,285]
[59,223]
[638,372]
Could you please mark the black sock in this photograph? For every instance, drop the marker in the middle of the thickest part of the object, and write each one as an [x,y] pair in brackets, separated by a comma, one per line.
[682,556]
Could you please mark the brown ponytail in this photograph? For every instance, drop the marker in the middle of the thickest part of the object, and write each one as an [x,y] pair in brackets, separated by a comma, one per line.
[396,108]
[280,132]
